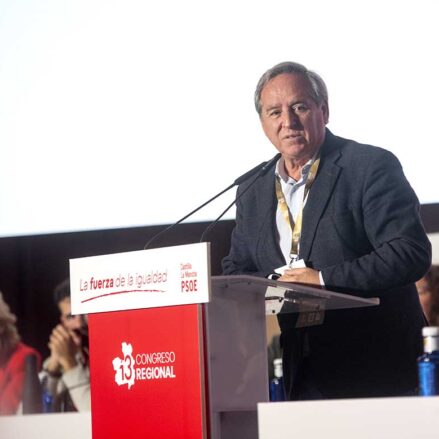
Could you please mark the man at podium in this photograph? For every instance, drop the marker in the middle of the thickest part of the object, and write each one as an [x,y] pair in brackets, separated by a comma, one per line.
[339,214]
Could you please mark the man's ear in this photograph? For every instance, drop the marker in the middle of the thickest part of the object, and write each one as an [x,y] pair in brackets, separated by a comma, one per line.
[325,109]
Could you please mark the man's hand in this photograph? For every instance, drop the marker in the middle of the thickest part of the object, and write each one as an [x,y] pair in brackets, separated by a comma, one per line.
[301,275]
[63,347]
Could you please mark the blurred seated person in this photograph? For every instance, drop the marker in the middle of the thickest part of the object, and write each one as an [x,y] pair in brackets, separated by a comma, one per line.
[66,373]
[428,290]
[12,361]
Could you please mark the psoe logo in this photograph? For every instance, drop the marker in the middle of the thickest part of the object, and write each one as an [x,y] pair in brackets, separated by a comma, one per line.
[124,367]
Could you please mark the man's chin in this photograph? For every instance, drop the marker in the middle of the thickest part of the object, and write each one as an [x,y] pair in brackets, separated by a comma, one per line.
[294,150]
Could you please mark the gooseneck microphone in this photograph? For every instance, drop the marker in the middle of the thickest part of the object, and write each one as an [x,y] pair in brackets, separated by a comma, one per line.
[262,171]
[259,170]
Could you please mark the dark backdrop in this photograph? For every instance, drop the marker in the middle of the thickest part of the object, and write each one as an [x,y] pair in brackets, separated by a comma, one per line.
[31,266]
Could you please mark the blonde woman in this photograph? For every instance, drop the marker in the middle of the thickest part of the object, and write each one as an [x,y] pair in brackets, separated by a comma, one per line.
[12,361]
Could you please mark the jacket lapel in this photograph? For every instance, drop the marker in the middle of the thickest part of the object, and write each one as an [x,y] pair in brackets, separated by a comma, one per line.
[320,193]
[268,250]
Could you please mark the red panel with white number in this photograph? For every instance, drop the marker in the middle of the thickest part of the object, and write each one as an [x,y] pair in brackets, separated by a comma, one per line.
[147,377]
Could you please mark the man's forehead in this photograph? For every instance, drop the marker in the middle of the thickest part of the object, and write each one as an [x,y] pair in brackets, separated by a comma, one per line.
[289,100]
[291,86]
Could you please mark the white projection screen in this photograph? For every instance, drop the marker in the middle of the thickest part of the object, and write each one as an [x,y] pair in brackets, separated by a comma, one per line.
[132,112]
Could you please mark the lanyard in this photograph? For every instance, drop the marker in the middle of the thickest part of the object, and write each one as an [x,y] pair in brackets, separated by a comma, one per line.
[296,231]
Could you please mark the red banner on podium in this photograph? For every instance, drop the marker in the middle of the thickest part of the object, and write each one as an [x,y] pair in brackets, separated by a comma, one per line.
[147,373]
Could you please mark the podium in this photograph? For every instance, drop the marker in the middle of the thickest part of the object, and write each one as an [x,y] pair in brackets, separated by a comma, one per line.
[193,370]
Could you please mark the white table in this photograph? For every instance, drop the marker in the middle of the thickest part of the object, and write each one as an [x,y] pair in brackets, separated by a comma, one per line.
[374,418]
[46,426]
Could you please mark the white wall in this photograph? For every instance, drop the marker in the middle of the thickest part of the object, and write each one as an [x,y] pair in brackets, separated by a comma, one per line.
[122,113]
[434,239]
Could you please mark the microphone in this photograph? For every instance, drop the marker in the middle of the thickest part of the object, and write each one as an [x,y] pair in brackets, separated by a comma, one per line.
[260,170]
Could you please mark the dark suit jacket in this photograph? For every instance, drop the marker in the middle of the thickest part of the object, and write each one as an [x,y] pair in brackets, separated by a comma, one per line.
[362,230]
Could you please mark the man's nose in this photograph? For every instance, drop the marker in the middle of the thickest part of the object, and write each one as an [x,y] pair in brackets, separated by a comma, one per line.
[290,119]
[76,322]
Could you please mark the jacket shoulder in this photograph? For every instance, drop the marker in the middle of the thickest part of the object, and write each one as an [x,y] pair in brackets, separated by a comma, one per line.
[356,151]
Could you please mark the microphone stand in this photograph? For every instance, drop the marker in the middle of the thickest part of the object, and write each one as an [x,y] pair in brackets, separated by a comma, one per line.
[187,216]
[213,223]
[260,170]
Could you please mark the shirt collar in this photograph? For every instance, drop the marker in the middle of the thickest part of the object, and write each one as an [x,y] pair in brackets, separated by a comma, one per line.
[282,173]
